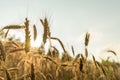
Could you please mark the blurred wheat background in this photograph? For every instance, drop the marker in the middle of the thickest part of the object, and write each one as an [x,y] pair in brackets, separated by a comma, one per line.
[59,40]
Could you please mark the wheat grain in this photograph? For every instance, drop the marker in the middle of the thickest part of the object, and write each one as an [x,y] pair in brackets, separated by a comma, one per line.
[86,53]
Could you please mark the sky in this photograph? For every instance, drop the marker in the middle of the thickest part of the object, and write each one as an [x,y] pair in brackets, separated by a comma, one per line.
[69,21]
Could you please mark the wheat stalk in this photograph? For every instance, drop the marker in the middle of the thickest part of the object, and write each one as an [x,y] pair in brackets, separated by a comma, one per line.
[82,57]
[54,38]
[6,33]
[86,53]
[81,64]
[23,76]
[94,61]
[17,45]
[32,72]
[112,52]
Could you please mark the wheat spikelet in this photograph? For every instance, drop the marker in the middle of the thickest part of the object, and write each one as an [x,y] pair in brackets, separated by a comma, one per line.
[87,39]
[46,29]
[46,34]
[35,32]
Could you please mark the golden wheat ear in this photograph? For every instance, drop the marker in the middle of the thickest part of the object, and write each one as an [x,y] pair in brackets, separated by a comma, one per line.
[87,39]
[45,25]
[27,36]
[35,32]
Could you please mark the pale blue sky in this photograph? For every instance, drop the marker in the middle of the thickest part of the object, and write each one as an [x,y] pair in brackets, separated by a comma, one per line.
[69,20]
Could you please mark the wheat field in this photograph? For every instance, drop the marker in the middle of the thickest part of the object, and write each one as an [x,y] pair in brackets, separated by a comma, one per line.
[20,61]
